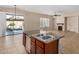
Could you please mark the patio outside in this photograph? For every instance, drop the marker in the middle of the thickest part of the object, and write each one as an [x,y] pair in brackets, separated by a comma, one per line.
[14,25]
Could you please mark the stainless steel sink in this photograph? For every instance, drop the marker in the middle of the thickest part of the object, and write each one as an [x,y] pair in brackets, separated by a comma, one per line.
[44,37]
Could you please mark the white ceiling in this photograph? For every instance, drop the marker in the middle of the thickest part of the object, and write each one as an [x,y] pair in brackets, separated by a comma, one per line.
[48,9]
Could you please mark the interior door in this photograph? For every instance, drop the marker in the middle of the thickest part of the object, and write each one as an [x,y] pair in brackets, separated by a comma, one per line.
[72,24]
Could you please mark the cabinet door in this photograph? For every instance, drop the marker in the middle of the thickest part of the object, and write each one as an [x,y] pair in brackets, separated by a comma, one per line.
[40,44]
[39,50]
[28,44]
[52,48]
[32,49]
[24,39]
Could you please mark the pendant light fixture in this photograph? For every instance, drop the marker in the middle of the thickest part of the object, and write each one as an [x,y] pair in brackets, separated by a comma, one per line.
[14,17]
[15,12]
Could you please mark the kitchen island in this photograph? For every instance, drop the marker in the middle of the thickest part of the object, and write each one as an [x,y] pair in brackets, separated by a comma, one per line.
[40,44]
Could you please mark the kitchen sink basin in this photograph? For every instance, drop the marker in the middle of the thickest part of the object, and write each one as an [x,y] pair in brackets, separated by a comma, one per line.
[44,37]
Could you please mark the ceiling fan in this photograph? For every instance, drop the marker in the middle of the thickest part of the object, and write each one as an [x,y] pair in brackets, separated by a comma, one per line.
[56,14]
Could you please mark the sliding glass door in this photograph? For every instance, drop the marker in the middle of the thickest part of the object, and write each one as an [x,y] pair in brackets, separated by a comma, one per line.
[14,25]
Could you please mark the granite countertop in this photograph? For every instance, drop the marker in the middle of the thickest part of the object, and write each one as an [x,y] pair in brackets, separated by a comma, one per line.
[56,35]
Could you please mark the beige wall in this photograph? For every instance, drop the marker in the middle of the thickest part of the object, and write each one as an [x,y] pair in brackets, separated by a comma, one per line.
[32,21]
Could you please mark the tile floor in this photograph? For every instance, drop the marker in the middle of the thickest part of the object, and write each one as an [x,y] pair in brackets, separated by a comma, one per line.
[12,45]
[69,44]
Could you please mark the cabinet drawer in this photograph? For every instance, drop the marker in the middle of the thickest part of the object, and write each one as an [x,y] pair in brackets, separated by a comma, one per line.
[40,44]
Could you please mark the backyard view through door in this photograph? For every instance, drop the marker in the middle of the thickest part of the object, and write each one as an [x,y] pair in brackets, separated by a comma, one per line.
[14,25]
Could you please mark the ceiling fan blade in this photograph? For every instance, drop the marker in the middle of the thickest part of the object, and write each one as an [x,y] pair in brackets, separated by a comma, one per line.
[56,15]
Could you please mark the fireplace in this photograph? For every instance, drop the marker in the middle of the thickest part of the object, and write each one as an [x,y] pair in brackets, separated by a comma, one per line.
[60,28]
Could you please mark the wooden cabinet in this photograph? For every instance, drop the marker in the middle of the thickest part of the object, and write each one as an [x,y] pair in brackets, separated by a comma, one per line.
[33,47]
[40,44]
[39,50]
[38,47]
[51,47]
[24,39]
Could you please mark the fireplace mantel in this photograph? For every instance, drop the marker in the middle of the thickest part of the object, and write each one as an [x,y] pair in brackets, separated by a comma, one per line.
[60,23]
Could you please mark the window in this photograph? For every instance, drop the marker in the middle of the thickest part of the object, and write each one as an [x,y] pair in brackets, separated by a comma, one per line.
[14,24]
[44,22]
